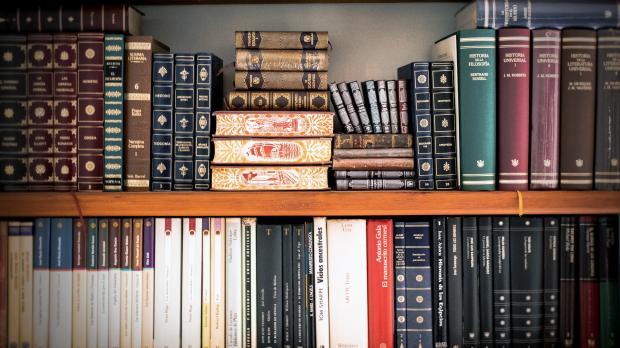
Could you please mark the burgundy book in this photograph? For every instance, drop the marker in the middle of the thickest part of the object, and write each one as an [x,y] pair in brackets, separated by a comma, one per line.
[577,109]
[513,84]
[40,112]
[65,112]
[589,312]
[545,143]
[90,112]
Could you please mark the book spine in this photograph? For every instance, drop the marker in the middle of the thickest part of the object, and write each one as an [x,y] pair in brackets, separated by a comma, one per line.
[403,107]
[477,57]
[513,84]
[423,126]
[281,80]
[247,178]
[233,281]
[274,124]
[41,283]
[114,280]
[208,92]
[269,282]
[607,230]
[281,60]
[373,164]
[606,167]
[126,282]
[373,174]
[588,290]
[65,112]
[248,230]
[14,280]
[92,286]
[218,282]
[306,40]
[373,106]
[90,111]
[545,112]
[60,275]
[358,98]
[309,275]
[439,289]
[418,275]
[79,294]
[349,105]
[161,141]
[374,184]
[299,290]
[384,110]
[206,284]
[485,279]
[26,283]
[287,286]
[372,141]
[379,236]
[568,282]
[279,100]
[321,284]
[136,282]
[114,45]
[272,151]
[4,279]
[190,282]
[102,283]
[400,286]
[471,293]
[444,125]
[577,109]
[393,105]
[348,295]
[184,117]
[501,282]
[373,153]
[343,115]
[551,281]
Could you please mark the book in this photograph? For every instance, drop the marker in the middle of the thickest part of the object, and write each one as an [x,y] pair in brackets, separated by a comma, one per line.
[273,124]
[248,230]
[545,111]
[205,293]
[92,286]
[439,289]
[137,235]
[477,125]
[373,153]
[471,287]
[606,166]
[589,288]
[60,275]
[373,174]
[269,285]
[79,293]
[400,285]
[393,105]
[300,337]
[191,277]
[349,105]
[372,141]
[148,282]
[26,251]
[278,100]
[373,164]
[234,326]
[137,110]
[284,40]
[607,242]
[380,266]
[403,106]
[40,282]
[568,282]
[502,335]
[288,326]
[272,151]
[249,178]
[343,114]
[321,284]
[184,118]
[551,279]
[373,106]
[103,283]
[14,280]
[281,80]
[218,282]
[126,284]
[375,184]
[4,279]
[161,139]
[281,60]
[114,51]
[444,125]
[577,109]
[485,279]
[348,295]
[358,98]
[309,273]
[114,281]
[384,110]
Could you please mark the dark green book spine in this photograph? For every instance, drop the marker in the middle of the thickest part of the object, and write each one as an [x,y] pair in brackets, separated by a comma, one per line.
[608,273]
[287,286]
[477,66]
[114,48]
[269,285]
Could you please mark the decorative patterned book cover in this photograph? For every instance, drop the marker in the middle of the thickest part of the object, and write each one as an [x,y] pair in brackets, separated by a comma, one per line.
[278,100]
[551,281]
[568,282]
[545,113]
[393,106]
[281,60]
[13,114]
[444,125]
[274,124]
[272,151]
[607,152]
[400,286]
[358,98]
[577,109]
[471,292]
[184,118]
[589,292]
[281,80]
[373,164]
[161,141]
[403,106]
[374,184]
[485,280]
[373,106]
[372,141]
[349,105]
[384,110]
[501,282]
[261,178]
[513,85]
[373,174]
[373,153]
[114,51]
[306,40]
[343,115]
[477,58]
[608,243]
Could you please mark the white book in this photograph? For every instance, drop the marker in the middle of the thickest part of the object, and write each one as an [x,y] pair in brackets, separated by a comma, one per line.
[126,282]
[92,289]
[13,283]
[26,286]
[348,312]
[61,255]
[41,283]
[218,283]
[136,284]
[206,283]
[103,284]
[233,283]
[191,279]
[248,231]
[251,223]
[78,327]
[114,284]
[168,233]
[148,282]
[321,274]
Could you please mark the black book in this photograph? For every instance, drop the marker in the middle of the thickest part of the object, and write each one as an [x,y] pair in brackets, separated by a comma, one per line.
[501,282]
[444,125]
[373,106]
[607,230]
[455,282]
[358,98]
[485,280]
[299,288]
[269,285]
[287,286]
[471,293]
[347,99]
[526,282]
[309,273]
[568,282]
[551,281]
[440,324]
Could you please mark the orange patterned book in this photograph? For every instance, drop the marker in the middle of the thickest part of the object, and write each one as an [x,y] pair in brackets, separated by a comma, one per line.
[269,178]
[274,123]
[272,151]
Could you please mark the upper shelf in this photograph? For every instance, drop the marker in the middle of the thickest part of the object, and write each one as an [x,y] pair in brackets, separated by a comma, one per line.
[306,203]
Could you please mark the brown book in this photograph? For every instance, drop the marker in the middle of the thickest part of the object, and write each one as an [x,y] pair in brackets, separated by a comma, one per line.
[374,153]
[372,141]
[278,100]
[306,40]
[138,76]
[281,80]
[281,60]
[577,99]
[373,163]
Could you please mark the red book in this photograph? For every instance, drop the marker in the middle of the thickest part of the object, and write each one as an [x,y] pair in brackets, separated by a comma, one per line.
[589,312]
[545,140]
[380,283]
[513,84]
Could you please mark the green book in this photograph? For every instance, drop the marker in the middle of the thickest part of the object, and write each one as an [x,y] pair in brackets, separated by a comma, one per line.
[114,48]
[608,272]
[476,88]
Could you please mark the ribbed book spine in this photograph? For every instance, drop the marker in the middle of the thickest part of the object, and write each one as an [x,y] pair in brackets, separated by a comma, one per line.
[184,117]
[589,292]
[392,94]
[418,293]
[278,100]
[400,286]
[358,98]
[60,275]
[471,287]
[281,80]
[568,282]
[608,266]
[485,280]
[551,281]
[444,125]
[103,283]
[384,110]
[373,105]
[288,40]
[423,125]
[114,50]
[191,278]
[148,282]
[440,291]
[349,105]
[403,106]
[477,125]
[379,238]
[501,282]
[343,115]
[161,141]
[41,283]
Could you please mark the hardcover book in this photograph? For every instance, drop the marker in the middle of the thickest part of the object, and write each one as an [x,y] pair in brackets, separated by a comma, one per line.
[281,60]
[114,51]
[501,282]
[418,275]
[287,40]
[161,141]
[272,151]
[373,174]
[191,277]
[60,275]
[374,184]
[454,237]
[358,98]
[343,115]
[392,94]
[373,106]
[403,106]
[444,125]
[373,164]
[384,110]
[273,124]
[400,286]
[471,286]
[184,118]
[281,80]
[551,281]
[278,100]
[589,288]
[373,153]
[485,280]
[234,326]
[372,141]
[439,288]
[349,105]
[249,178]
[568,282]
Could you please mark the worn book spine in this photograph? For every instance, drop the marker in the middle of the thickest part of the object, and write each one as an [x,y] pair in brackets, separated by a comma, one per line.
[114,280]
[148,282]
[114,51]
[321,284]
[577,109]
[607,165]
[373,106]
[4,279]
[349,105]
[249,178]
[439,288]
[281,80]
[60,275]
[233,281]
[379,234]
[419,294]
[551,281]
[79,295]
[589,292]
[375,184]
[372,164]
[90,111]
[392,93]
[272,151]
[372,141]
[545,112]
[41,283]
[65,112]
[279,100]
[568,282]
[126,282]
[191,277]
[471,287]
[501,282]
[184,117]
[161,138]
[283,40]
[400,286]
[477,124]
[384,110]
[485,279]
[281,60]
[218,282]
[300,323]
[444,125]
[269,285]
[358,98]
[403,107]
[373,174]
[103,246]
[205,325]
[343,115]
[373,153]
[287,286]
[607,231]
[421,80]
[274,124]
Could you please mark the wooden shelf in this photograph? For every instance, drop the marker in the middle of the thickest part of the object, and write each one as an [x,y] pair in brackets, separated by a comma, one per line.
[323,203]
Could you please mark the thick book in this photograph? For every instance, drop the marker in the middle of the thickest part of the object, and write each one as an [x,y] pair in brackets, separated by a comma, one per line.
[373,153]
[205,292]
[60,275]
[418,279]
[4,279]
[545,111]
[78,290]
[373,106]
[269,285]
[392,94]
[358,98]
[403,106]
[375,184]
[380,265]
[272,151]
[283,40]
[373,164]
[92,244]
[184,119]
[13,283]
[233,283]
[348,296]
[273,124]
[445,145]
[259,178]
[372,141]
[137,110]
[439,288]
[114,282]
[191,278]
[477,124]
[551,280]
[485,279]
[103,235]
[281,80]
[400,286]
[136,281]
[607,165]
[161,138]
[513,86]
[384,111]
[373,174]
[501,281]
[608,266]
[349,105]
[41,283]
[569,321]
[125,321]
[321,284]
[588,290]
[577,109]
[281,60]
[471,287]
[218,282]
[114,51]
[278,100]
[148,282]
[341,109]
[288,326]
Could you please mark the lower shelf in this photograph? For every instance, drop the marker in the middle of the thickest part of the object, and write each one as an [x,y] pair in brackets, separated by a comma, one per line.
[307,203]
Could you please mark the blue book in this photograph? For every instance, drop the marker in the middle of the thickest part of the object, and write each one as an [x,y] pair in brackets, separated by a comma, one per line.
[444,125]
[184,114]
[400,285]
[114,50]
[161,138]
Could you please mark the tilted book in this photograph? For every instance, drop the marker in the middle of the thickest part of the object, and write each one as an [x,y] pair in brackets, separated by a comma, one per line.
[191,277]
[161,139]
[244,178]
[343,115]
[349,105]
[373,106]
[358,99]
[79,294]
[272,151]
[148,282]
[278,100]
[273,124]
[287,40]
[392,94]
[233,283]
[384,110]
[60,276]
[41,283]
[218,282]
[114,51]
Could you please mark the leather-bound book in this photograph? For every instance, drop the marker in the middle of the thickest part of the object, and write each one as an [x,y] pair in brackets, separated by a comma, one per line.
[373,106]
[393,106]
[551,281]
[279,100]
[373,164]
[349,105]
[358,98]
[161,139]
[485,280]
[403,106]
[281,80]
[272,150]
[501,281]
[272,178]
[372,141]
[374,184]
[589,303]
[273,124]
[281,60]
[444,125]
[287,40]
[184,118]
[341,109]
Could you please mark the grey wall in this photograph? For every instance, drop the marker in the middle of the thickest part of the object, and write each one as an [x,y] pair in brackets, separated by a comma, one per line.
[369,40]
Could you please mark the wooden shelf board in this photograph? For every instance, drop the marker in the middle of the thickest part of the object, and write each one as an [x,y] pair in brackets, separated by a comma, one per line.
[306,203]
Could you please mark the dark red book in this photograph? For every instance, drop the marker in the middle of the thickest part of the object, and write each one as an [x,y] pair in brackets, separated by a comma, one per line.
[513,84]
[589,312]
[545,139]
[380,283]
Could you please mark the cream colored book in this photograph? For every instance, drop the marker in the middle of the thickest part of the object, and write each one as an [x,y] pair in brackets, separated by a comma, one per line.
[206,284]
[272,151]
[274,124]
[267,178]
[79,318]
[248,298]
[148,283]
[26,286]
[218,283]
[41,284]
[190,283]
[126,284]
[14,283]
[233,283]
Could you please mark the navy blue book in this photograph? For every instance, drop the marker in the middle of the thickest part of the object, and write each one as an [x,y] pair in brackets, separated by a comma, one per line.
[501,282]
[184,112]
[440,291]
[161,139]
[444,125]
[471,293]
[400,285]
